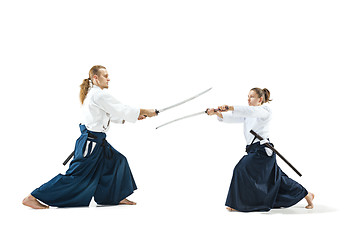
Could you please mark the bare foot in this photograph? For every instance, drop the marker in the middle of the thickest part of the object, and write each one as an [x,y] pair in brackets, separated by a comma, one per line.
[32,202]
[230,209]
[127,202]
[309,198]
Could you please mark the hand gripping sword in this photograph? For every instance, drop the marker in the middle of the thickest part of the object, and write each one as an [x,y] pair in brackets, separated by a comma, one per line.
[275,151]
[182,102]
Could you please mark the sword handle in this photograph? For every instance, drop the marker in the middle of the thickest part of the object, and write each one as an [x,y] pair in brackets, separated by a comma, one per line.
[68,158]
[216,110]
[256,135]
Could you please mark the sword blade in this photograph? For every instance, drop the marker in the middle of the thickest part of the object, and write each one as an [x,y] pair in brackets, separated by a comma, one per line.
[189,99]
[178,119]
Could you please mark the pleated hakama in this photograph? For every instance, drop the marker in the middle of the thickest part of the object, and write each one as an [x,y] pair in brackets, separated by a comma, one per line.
[258,183]
[97,170]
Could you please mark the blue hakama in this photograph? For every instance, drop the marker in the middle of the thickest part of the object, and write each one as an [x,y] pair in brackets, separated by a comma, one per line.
[97,170]
[258,183]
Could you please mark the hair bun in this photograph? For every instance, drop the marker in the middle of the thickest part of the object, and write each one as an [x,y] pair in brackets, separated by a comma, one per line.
[266,95]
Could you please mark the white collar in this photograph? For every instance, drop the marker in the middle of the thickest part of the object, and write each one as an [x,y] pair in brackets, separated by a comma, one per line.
[96,87]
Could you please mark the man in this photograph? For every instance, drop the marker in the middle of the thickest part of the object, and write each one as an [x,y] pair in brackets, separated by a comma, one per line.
[97,170]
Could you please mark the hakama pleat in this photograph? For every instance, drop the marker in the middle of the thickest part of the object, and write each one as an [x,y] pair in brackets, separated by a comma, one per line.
[258,183]
[97,170]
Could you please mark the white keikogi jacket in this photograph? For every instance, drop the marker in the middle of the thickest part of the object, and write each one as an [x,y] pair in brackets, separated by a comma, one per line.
[99,108]
[256,118]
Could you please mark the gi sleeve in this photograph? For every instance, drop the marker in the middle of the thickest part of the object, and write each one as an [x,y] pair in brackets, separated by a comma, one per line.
[229,117]
[118,111]
[251,111]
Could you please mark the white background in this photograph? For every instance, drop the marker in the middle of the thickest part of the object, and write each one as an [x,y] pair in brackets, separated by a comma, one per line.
[158,53]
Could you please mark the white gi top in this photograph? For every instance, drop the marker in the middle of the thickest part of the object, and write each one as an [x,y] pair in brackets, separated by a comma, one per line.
[99,108]
[256,118]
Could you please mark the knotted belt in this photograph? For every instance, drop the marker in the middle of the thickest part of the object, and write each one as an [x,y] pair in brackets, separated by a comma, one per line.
[90,137]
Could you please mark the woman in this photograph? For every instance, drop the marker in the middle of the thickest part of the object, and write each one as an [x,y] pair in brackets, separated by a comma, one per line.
[97,168]
[258,183]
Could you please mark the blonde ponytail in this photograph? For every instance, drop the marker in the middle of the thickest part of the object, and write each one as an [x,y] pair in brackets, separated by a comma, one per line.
[86,84]
[84,89]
